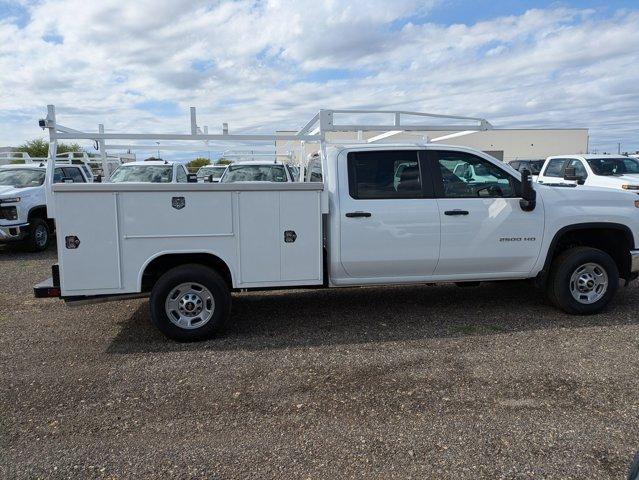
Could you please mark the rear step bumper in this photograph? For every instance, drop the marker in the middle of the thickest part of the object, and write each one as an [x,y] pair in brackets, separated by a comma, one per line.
[50,288]
[46,289]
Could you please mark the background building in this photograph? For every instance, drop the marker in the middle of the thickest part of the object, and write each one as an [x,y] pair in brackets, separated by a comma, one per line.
[504,144]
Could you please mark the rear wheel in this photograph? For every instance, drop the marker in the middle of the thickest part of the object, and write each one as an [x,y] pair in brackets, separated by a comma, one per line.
[190,303]
[39,235]
[582,280]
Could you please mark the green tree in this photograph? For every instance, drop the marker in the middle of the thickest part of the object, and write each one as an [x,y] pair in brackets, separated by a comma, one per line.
[40,148]
[197,163]
[223,161]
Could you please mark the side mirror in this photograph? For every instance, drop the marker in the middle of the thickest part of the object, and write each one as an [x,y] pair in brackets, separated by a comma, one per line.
[570,173]
[210,178]
[528,200]
[191,178]
[97,179]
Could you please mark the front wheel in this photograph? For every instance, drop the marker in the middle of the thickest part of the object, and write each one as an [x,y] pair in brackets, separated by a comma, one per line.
[190,303]
[39,235]
[582,280]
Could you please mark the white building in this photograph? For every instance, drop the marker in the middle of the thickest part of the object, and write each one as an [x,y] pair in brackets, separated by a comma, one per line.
[504,144]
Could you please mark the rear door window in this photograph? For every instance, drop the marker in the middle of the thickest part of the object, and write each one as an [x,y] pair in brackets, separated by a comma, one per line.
[385,174]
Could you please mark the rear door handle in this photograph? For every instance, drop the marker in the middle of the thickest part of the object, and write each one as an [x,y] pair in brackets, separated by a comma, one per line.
[456,212]
[358,214]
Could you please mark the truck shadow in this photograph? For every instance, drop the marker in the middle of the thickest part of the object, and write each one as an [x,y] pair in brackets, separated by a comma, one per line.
[311,318]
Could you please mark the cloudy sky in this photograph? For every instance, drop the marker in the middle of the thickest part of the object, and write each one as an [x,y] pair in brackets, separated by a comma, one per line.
[138,65]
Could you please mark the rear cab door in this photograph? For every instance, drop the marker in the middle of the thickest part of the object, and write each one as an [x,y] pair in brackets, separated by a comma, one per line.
[389,227]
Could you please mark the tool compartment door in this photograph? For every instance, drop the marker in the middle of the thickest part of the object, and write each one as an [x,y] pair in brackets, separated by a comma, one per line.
[279,238]
[95,260]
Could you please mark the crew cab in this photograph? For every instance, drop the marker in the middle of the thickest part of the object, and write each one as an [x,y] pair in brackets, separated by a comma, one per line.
[383,214]
[257,171]
[597,170]
[151,171]
[23,210]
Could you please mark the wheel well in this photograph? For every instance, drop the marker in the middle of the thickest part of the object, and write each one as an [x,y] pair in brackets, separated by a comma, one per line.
[162,264]
[38,212]
[615,240]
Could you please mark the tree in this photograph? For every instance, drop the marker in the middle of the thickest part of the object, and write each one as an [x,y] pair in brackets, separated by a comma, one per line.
[223,161]
[197,163]
[39,148]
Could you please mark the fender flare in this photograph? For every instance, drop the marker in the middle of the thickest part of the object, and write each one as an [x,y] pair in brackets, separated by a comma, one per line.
[584,226]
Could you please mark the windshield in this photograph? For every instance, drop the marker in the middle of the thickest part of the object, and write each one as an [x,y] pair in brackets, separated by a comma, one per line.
[614,166]
[215,171]
[143,173]
[254,173]
[22,177]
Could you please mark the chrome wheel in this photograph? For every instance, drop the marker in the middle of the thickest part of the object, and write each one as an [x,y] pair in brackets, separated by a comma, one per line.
[41,235]
[589,283]
[189,305]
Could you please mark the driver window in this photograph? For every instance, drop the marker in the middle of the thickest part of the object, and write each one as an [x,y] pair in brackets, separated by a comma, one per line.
[468,176]
[181,175]
[580,170]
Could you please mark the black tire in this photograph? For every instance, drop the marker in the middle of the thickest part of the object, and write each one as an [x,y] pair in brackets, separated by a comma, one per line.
[39,235]
[197,274]
[558,288]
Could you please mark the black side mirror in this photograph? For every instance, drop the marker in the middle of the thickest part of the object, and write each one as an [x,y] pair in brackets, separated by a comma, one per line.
[97,179]
[528,200]
[210,178]
[570,173]
[191,178]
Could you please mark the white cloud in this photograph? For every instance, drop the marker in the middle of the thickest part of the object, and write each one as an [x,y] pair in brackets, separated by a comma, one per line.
[267,64]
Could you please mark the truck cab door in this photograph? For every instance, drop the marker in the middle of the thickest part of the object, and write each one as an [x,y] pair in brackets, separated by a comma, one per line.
[484,231]
[388,219]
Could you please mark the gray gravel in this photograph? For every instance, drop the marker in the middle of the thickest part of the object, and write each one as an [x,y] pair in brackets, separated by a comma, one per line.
[402,382]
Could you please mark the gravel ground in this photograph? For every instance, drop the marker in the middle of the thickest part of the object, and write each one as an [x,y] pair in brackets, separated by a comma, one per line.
[402,382]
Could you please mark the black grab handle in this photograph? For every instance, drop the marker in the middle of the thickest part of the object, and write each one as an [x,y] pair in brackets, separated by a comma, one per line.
[456,212]
[358,214]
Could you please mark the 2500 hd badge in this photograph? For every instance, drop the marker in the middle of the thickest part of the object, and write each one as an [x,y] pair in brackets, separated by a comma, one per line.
[518,239]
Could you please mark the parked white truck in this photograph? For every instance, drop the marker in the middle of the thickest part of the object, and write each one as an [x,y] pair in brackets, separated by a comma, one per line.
[23,209]
[596,170]
[384,214]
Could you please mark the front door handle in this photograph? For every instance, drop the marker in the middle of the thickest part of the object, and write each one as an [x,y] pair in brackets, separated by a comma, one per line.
[358,214]
[456,212]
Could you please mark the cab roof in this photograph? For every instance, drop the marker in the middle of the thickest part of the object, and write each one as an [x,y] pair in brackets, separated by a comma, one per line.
[590,156]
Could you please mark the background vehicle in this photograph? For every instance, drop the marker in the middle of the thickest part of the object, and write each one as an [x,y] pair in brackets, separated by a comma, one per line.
[597,170]
[151,172]
[257,172]
[23,210]
[533,166]
[214,172]
[368,223]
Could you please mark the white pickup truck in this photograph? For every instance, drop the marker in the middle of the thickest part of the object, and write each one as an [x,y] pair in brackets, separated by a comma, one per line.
[596,170]
[23,209]
[383,214]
